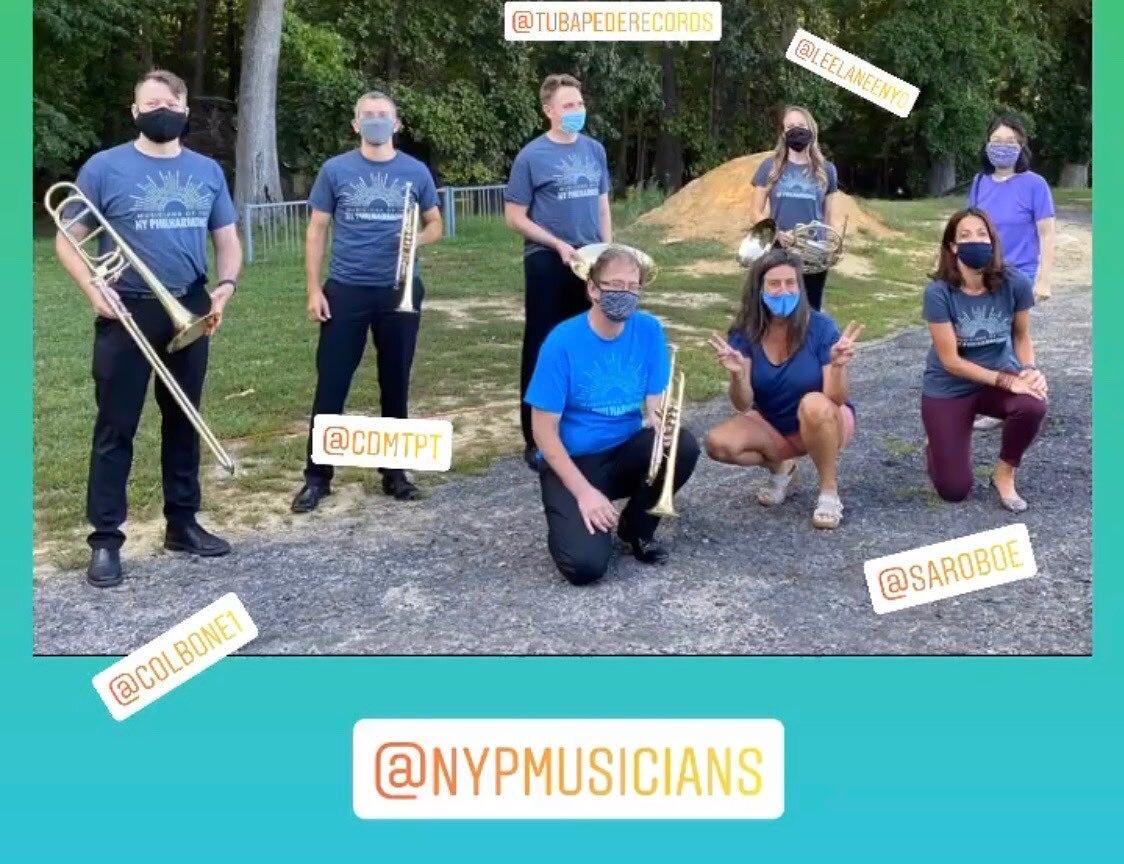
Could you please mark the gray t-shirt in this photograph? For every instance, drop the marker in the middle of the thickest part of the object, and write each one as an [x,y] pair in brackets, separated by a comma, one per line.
[983,328]
[561,186]
[796,198]
[366,199]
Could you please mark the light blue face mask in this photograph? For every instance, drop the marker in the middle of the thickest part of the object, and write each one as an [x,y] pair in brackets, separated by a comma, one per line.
[781,305]
[573,121]
[376,130]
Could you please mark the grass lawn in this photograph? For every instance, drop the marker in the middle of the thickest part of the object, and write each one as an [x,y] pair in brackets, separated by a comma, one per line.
[261,378]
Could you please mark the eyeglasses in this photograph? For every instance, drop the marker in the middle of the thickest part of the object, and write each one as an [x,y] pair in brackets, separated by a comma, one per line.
[615,285]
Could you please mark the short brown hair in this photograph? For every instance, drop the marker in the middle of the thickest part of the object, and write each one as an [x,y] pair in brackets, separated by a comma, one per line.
[553,82]
[947,269]
[617,253]
[169,79]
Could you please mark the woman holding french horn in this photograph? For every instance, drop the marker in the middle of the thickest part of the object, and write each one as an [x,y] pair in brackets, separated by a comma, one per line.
[796,186]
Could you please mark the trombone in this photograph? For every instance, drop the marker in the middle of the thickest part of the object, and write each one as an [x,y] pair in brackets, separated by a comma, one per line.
[407,253]
[665,446]
[104,269]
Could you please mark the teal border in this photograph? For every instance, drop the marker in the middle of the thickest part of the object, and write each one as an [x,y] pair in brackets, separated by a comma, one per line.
[888,759]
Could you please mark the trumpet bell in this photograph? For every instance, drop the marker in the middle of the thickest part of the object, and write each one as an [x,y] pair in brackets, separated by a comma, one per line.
[757,242]
[588,255]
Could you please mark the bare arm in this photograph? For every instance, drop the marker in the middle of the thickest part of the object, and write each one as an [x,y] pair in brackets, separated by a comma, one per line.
[515,215]
[432,228]
[759,203]
[944,340]
[829,210]
[836,383]
[315,242]
[606,215]
[1046,232]
[1020,339]
[544,427]
[77,270]
[228,253]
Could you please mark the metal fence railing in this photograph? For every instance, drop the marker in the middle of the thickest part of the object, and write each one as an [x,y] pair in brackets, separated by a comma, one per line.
[279,228]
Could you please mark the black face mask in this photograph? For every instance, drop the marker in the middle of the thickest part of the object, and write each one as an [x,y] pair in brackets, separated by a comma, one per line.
[798,138]
[162,125]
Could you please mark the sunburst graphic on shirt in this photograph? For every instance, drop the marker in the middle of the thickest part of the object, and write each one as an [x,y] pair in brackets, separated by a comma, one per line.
[798,184]
[612,386]
[577,177]
[191,196]
[976,327]
[363,195]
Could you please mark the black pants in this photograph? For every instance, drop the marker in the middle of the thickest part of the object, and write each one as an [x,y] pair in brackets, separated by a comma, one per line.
[814,284]
[552,293]
[343,338]
[121,376]
[618,473]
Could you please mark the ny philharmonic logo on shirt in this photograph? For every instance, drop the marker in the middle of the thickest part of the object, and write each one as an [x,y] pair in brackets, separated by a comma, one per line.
[171,202]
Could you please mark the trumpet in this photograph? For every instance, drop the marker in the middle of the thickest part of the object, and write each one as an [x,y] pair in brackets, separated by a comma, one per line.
[407,253]
[104,269]
[665,446]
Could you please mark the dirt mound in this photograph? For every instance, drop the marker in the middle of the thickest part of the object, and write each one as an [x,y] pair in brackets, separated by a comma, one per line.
[716,206]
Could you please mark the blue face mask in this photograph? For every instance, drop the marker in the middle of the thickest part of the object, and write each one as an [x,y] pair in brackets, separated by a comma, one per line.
[618,305]
[974,255]
[781,305]
[376,130]
[1003,155]
[573,121]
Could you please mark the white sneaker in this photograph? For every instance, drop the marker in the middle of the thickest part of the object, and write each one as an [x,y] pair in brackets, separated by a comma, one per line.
[985,423]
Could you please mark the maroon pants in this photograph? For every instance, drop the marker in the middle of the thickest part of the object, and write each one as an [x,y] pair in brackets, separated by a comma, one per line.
[948,423]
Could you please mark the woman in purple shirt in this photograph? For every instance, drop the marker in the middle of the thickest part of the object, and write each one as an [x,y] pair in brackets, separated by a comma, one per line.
[1018,202]
[789,384]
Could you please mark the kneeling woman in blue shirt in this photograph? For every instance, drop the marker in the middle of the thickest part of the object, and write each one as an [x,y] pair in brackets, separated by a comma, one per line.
[597,376]
[788,381]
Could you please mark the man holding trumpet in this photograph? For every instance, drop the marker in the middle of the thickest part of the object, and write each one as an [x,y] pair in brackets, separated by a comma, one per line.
[598,375]
[163,200]
[363,195]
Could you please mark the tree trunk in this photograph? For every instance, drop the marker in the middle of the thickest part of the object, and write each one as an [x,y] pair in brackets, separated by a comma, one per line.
[202,37]
[393,65]
[233,62]
[669,147]
[257,177]
[641,153]
[1075,175]
[942,176]
[146,48]
[620,170]
[712,120]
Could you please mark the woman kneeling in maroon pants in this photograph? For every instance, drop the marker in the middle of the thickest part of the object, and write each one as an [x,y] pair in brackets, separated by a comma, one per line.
[981,361]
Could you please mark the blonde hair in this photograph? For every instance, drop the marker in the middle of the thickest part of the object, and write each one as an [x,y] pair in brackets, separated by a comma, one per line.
[375,94]
[815,155]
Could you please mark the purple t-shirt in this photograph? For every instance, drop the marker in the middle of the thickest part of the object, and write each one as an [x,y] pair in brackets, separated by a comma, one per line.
[1015,205]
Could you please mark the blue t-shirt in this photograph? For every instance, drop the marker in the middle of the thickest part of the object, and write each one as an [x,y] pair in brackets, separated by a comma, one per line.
[983,328]
[163,208]
[797,196]
[777,390]
[366,199]
[599,385]
[561,186]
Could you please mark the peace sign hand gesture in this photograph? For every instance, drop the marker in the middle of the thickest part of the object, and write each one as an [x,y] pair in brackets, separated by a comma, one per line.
[731,359]
[844,350]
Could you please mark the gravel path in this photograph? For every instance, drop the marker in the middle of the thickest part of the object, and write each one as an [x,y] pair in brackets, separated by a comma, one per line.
[467,571]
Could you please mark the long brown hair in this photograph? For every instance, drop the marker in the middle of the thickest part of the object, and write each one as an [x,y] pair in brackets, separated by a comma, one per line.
[948,270]
[815,155]
[753,319]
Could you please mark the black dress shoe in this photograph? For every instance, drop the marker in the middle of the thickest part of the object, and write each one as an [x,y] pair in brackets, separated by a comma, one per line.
[308,499]
[105,568]
[399,487]
[647,551]
[194,539]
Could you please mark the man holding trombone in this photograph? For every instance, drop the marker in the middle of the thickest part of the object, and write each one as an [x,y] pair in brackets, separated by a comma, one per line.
[162,200]
[598,375]
[367,196]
